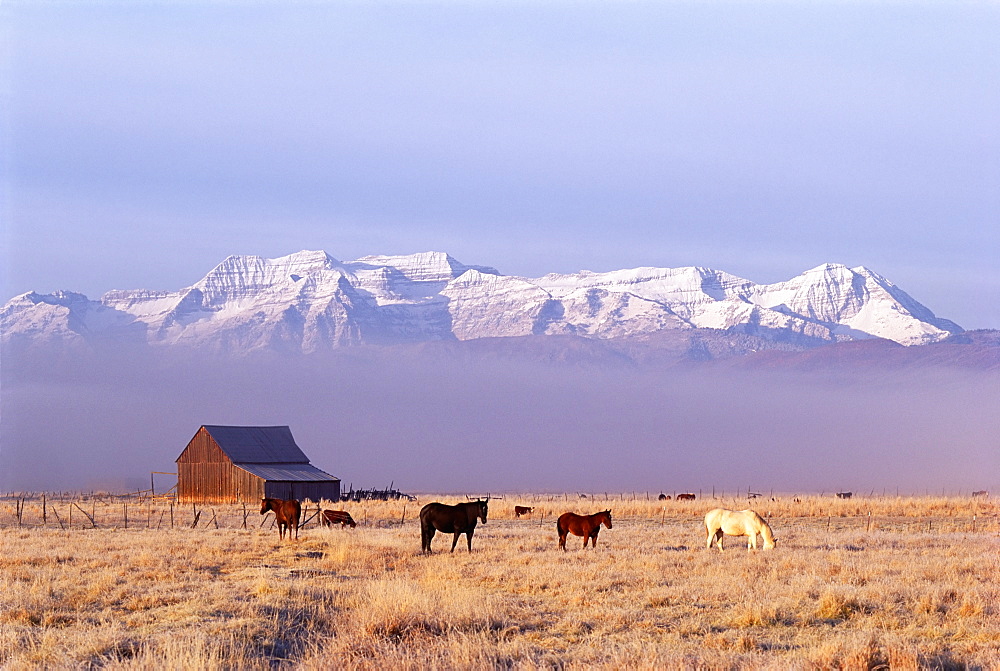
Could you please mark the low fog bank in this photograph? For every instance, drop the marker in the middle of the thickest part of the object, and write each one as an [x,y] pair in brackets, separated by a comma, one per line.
[430,424]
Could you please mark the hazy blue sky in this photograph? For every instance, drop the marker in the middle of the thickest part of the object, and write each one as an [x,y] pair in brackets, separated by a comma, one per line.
[144,142]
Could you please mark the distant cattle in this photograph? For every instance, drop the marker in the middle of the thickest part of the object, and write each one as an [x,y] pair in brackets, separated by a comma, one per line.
[663,497]
[844,495]
[981,494]
[686,497]
[286,514]
[522,510]
[341,517]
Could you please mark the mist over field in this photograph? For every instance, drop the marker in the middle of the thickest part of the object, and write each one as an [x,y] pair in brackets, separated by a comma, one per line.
[491,424]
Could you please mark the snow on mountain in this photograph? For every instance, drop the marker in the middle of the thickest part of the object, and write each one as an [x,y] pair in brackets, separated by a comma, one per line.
[483,305]
[682,290]
[310,301]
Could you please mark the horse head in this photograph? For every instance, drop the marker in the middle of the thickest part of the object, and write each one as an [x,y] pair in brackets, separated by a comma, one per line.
[484,508]
[765,532]
[265,505]
[606,518]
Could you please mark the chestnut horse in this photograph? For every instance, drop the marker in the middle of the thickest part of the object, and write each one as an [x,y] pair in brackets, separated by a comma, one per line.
[458,519]
[341,517]
[286,514]
[582,525]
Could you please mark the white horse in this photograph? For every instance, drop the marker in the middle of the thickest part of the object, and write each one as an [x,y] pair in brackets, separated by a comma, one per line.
[737,523]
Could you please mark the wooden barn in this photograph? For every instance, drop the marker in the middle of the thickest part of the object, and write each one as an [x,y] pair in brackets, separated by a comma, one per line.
[229,464]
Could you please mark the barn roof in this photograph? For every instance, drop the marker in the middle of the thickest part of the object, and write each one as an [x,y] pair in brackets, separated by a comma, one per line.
[258,444]
[288,473]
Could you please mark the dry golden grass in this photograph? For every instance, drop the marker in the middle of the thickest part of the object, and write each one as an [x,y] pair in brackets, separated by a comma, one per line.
[916,585]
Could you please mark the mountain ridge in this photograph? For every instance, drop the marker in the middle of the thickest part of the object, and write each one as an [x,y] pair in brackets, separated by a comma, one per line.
[311,301]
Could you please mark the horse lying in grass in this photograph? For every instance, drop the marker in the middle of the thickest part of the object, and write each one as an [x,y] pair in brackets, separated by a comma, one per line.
[587,526]
[737,523]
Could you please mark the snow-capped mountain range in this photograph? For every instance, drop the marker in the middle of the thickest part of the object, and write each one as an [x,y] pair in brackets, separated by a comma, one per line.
[309,301]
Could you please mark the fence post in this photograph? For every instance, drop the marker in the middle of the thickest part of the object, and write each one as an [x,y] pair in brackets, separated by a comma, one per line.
[58,519]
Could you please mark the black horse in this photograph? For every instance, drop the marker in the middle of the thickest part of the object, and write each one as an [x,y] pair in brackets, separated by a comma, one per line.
[458,519]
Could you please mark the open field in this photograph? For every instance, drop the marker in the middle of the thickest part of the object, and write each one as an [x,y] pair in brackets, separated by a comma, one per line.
[916,584]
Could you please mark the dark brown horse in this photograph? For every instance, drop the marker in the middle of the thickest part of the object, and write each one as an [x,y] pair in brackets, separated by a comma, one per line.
[458,519]
[286,514]
[341,517]
[587,526]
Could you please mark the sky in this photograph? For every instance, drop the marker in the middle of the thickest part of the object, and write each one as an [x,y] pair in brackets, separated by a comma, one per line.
[142,143]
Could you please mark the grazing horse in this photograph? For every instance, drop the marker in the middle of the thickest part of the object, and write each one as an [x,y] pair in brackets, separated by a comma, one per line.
[341,517]
[663,497]
[686,497]
[844,495]
[286,513]
[458,519]
[582,525]
[981,494]
[522,510]
[737,523]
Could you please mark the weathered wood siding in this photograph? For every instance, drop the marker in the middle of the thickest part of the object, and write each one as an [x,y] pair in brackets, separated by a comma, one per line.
[206,474]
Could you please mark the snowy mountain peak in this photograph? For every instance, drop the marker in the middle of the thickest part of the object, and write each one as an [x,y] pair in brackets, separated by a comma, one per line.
[310,301]
[422,267]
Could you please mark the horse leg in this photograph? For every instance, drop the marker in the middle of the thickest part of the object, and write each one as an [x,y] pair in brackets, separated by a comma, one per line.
[426,535]
[751,541]
[468,536]
[455,541]
[593,540]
